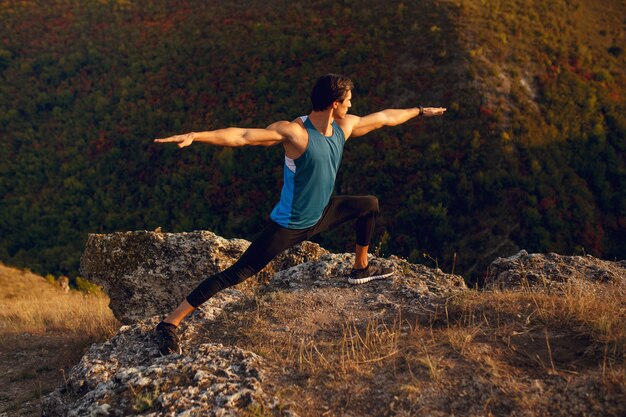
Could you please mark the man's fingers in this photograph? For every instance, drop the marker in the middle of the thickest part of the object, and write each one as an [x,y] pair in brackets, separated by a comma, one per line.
[435,111]
[170,139]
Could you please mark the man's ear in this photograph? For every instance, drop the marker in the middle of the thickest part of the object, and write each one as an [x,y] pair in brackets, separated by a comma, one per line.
[335,104]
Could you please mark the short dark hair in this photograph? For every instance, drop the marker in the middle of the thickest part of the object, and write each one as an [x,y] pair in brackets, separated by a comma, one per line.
[328,89]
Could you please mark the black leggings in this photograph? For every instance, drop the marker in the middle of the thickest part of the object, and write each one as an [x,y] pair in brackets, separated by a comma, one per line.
[275,239]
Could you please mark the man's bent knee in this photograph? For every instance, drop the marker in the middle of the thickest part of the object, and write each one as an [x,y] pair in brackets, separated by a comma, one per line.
[371,204]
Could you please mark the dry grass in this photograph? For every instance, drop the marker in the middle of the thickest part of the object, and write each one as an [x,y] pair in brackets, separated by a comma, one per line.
[43,332]
[481,353]
[33,305]
[592,310]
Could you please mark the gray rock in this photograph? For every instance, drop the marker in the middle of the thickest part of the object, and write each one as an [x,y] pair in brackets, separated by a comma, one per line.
[409,283]
[148,273]
[551,270]
[127,375]
[143,272]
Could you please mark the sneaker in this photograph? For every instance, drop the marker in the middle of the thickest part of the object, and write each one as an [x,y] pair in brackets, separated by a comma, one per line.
[168,339]
[369,273]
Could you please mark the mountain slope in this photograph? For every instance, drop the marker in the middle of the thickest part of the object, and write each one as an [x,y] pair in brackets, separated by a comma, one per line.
[530,153]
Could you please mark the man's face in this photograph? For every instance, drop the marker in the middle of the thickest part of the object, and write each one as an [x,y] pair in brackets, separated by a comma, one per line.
[341,107]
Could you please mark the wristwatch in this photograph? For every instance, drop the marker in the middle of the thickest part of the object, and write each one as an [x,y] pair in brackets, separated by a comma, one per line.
[421,110]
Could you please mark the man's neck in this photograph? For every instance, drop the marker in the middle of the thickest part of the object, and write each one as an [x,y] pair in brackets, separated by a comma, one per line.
[322,120]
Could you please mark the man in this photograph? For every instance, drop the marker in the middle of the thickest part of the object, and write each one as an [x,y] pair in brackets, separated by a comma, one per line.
[313,148]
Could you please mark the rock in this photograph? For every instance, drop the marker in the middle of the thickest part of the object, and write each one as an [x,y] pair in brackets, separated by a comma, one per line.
[127,375]
[551,270]
[147,273]
[411,280]
[140,270]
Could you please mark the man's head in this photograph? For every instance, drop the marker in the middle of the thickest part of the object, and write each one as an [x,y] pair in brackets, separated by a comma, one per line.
[329,89]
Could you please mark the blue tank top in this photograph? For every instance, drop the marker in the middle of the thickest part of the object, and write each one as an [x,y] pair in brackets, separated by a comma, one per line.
[309,179]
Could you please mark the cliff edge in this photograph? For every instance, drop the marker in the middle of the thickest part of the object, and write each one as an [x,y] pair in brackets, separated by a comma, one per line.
[299,340]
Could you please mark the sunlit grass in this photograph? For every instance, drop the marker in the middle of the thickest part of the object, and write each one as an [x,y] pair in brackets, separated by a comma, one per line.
[595,310]
[34,305]
[43,333]
[504,341]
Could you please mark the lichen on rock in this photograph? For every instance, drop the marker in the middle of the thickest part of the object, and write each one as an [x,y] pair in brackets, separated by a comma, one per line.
[147,273]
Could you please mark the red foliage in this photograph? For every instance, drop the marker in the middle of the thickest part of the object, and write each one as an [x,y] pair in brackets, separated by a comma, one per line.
[615,96]
[592,237]
[485,111]
[341,31]
[244,104]
[574,64]
[547,203]
[101,144]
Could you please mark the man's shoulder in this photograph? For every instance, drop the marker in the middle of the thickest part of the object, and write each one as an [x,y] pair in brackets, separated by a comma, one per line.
[348,120]
[293,130]
[347,124]
[285,125]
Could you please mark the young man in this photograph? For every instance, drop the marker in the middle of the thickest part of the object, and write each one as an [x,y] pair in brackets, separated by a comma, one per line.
[313,148]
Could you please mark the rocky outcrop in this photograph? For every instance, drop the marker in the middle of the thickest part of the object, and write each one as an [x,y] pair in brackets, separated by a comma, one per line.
[148,273]
[551,270]
[127,376]
[412,286]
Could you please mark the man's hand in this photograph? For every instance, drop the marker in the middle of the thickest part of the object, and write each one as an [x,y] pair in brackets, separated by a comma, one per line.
[433,111]
[181,140]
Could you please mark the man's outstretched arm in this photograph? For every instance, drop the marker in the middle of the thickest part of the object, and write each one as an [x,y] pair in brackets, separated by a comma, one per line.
[390,117]
[236,136]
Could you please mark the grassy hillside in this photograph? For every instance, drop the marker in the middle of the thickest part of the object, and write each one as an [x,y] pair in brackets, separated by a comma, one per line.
[530,154]
[43,333]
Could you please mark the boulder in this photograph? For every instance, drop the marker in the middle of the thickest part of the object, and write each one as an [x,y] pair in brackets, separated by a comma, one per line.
[149,273]
[126,374]
[551,270]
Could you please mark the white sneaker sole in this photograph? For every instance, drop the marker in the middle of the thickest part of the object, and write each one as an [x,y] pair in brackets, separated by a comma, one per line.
[356,281]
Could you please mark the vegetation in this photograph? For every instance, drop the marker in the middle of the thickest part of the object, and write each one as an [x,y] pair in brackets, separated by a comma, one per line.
[530,154]
[529,351]
[43,333]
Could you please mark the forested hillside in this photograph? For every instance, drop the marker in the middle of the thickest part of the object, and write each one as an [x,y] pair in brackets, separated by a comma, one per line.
[531,153]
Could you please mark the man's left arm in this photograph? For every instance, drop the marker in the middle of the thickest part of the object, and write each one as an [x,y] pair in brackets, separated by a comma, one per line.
[359,126]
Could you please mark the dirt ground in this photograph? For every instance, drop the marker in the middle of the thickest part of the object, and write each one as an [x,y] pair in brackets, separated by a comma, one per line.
[341,352]
[33,365]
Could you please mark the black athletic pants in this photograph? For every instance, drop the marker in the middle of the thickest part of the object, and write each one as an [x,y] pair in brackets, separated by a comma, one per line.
[275,239]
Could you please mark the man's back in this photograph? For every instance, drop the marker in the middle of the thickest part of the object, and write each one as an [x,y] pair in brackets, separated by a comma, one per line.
[309,179]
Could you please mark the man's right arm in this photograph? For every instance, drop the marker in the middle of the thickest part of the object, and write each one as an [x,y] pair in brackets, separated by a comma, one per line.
[359,126]
[236,136]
